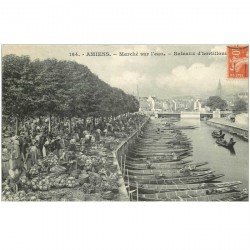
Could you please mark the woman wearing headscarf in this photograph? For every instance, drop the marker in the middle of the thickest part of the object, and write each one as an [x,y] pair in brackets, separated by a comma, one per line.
[33,154]
[45,148]
[5,162]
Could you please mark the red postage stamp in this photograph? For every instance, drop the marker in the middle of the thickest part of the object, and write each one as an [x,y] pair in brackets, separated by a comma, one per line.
[237,61]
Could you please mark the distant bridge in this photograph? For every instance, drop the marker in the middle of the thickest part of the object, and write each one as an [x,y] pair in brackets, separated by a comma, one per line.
[194,115]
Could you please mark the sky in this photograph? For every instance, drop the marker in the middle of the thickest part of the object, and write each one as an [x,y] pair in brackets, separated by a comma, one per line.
[160,76]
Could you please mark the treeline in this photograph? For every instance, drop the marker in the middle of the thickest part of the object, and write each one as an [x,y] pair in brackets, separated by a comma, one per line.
[58,88]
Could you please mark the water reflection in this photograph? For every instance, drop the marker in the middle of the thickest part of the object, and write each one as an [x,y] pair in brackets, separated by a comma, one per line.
[231,162]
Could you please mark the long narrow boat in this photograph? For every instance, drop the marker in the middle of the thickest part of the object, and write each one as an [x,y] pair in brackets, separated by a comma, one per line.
[133,163]
[227,196]
[168,196]
[169,175]
[164,143]
[216,134]
[152,188]
[160,150]
[184,127]
[160,159]
[225,144]
[160,147]
[161,138]
[168,165]
[165,165]
[182,180]
[141,155]
[163,171]
[152,142]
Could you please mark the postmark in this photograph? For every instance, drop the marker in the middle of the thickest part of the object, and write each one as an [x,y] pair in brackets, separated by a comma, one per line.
[237,61]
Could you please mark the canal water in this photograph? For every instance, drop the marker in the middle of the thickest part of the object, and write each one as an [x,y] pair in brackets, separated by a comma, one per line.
[233,165]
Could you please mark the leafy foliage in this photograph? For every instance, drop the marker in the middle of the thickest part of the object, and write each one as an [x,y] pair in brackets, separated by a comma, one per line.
[59,88]
[240,105]
[216,102]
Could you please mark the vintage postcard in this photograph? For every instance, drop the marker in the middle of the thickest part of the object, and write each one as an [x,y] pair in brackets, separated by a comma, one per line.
[125,123]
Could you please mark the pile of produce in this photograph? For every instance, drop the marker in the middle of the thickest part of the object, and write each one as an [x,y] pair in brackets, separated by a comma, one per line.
[19,196]
[60,181]
[71,182]
[34,170]
[50,161]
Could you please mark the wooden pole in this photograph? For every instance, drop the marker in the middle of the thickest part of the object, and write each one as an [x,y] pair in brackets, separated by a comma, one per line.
[121,162]
[124,163]
[70,129]
[49,123]
[16,129]
[128,182]
[137,191]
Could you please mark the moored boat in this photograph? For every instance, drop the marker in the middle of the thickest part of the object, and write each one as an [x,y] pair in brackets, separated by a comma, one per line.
[169,175]
[225,144]
[217,134]
[164,171]
[168,165]
[179,180]
[159,158]
[224,196]
[152,188]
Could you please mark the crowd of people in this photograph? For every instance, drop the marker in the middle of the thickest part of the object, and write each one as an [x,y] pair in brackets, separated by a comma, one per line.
[37,139]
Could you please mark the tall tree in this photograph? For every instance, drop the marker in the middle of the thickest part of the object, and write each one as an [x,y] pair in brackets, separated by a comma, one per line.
[240,105]
[215,102]
[59,88]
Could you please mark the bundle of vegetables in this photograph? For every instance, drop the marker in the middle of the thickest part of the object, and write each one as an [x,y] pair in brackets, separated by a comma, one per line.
[33,198]
[86,188]
[7,196]
[34,182]
[71,182]
[5,188]
[83,177]
[108,195]
[105,186]
[95,167]
[93,151]
[24,182]
[34,170]
[45,184]
[102,161]
[81,160]
[58,169]
[114,186]
[101,149]
[109,185]
[88,163]
[60,181]
[95,179]
[102,172]
[75,173]
[19,196]
[51,160]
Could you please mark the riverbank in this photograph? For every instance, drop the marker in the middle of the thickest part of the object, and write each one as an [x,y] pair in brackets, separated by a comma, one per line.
[230,127]
[120,159]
